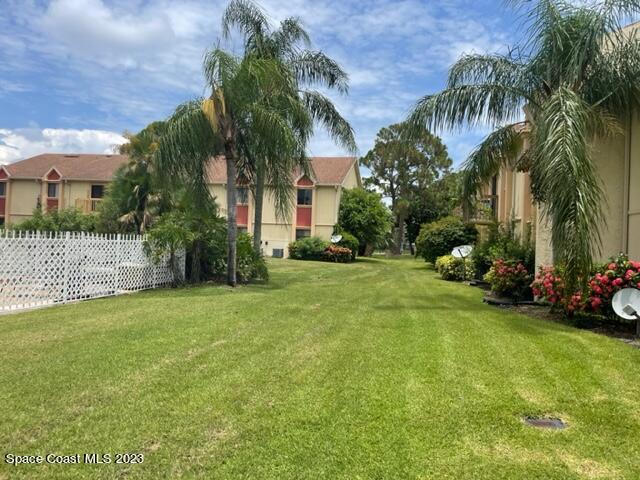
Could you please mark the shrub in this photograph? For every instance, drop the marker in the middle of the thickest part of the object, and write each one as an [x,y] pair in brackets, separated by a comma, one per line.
[65,220]
[502,243]
[250,264]
[548,286]
[337,254]
[510,279]
[596,293]
[314,248]
[309,248]
[351,242]
[439,238]
[454,269]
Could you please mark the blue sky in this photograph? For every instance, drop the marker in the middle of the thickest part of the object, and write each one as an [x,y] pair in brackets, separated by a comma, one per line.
[75,74]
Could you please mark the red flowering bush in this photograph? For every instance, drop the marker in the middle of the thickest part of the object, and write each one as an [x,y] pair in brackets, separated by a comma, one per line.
[333,253]
[608,279]
[509,279]
[598,291]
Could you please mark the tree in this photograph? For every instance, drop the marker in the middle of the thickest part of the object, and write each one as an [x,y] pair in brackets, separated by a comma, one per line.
[402,168]
[248,97]
[134,197]
[363,215]
[575,75]
[437,200]
[289,44]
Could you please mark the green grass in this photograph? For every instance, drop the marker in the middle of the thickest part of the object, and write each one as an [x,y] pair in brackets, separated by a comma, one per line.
[373,370]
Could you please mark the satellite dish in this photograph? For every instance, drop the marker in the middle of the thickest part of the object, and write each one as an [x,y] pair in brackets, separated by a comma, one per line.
[626,303]
[336,238]
[462,252]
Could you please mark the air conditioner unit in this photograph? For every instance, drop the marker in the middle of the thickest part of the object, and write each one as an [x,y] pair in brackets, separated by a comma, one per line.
[277,253]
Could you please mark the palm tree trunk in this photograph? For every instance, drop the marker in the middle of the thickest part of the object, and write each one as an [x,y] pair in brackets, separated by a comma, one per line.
[257,222]
[232,225]
[195,261]
[397,244]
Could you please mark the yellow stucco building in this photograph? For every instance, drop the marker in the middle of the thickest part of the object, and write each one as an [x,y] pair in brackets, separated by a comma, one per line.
[317,201]
[617,162]
[55,181]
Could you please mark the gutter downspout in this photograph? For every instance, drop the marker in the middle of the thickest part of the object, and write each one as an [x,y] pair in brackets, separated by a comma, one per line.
[626,184]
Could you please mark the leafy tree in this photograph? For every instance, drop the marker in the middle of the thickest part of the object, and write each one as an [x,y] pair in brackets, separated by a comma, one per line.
[249,97]
[363,214]
[437,200]
[576,73]
[65,220]
[289,44]
[402,168]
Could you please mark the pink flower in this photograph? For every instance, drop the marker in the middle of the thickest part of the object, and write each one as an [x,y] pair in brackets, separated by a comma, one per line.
[612,266]
[618,281]
[629,275]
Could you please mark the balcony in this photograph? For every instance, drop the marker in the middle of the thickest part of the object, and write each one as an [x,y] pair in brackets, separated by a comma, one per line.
[88,205]
[486,210]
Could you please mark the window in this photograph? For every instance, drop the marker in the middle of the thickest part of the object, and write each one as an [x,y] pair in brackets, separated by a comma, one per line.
[1,221]
[242,229]
[97,191]
[52,190]
[3,189]
[305,196]
[243,195]
[302,233]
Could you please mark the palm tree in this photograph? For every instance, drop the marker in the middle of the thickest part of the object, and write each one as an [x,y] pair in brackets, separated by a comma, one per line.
[576,75]
[134,196]
[249,97]
[290,44]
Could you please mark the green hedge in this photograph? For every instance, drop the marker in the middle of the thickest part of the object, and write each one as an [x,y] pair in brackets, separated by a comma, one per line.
[439,238]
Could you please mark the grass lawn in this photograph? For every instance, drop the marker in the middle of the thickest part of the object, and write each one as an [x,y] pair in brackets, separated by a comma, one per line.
[374,370]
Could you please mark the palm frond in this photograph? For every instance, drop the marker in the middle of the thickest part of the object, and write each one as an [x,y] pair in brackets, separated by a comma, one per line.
[469,105]
[564,170]
[500,149]
[324,111]
[315,68]
[247,16]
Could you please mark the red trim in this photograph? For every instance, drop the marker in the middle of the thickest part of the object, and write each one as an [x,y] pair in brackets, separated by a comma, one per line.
[303,217]
[242,215]
[53,176]
[52,203]
[305,182]
[3,174]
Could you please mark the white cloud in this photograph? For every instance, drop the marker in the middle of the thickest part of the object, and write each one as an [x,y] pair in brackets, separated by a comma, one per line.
[134,60]
[25,142]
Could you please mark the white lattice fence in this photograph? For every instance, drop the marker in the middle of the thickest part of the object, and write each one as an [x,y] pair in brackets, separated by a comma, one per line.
[40,269]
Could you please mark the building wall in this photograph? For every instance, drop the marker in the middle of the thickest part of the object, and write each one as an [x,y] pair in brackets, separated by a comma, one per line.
[632,188]
[617,162]
[278,233]
[22,199]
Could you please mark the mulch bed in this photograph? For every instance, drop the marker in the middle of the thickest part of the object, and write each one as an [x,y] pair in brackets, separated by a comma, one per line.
[623,331]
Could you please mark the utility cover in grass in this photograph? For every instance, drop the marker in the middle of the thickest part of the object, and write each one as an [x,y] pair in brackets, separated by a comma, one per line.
[544,422]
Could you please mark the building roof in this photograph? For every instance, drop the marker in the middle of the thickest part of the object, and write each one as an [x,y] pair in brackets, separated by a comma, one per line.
[70,166]
[326,170]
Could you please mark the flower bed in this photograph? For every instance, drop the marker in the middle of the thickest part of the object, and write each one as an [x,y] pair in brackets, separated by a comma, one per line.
[597,292]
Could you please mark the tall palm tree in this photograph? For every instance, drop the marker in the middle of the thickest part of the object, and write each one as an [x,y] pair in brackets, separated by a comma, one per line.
[290,44]
[248,97]
[576,75]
